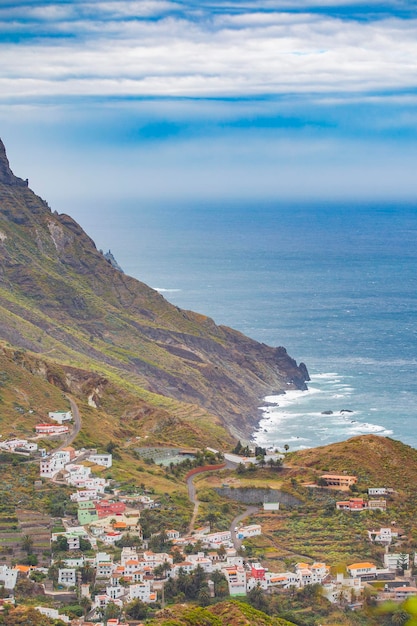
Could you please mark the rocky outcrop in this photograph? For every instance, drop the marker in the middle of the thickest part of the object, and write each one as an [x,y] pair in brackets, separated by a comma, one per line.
[6,175]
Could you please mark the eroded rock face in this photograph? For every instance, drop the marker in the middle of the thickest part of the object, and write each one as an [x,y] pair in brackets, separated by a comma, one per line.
[6,175]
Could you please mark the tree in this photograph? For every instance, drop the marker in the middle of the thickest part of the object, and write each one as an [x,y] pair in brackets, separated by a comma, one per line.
[261,460]
[176,556]
[137,610]
[112,611]
[31,559]
[87,573]
[221,588]
[85,604]
[221,551]
[203,597]
[60,544]
[161,570]
[399,617]
[85,545]
[257,599]
[286,447]
[27,544]
[402,563]
[212,518]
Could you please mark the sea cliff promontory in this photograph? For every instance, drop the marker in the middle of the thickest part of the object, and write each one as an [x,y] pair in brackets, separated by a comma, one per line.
[72,311]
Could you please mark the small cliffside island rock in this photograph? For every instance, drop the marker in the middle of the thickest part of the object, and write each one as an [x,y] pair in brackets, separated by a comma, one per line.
[56,284]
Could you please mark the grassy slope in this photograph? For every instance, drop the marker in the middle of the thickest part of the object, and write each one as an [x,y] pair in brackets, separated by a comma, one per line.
[61,299]
[377,461]
[229,613]
[316,531]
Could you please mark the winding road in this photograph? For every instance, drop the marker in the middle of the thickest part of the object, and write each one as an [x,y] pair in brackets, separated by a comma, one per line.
[76,426]
[250,510]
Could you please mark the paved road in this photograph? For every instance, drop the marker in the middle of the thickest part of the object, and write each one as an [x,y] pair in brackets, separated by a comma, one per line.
[76,426]
[251,510]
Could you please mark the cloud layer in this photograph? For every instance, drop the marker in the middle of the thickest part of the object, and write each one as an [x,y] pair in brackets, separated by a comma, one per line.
[159,48]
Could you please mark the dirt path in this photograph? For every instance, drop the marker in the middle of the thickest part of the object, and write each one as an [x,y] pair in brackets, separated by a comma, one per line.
[192,491]
[193,498]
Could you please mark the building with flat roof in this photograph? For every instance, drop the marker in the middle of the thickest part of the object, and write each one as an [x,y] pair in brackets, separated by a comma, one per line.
[339,480]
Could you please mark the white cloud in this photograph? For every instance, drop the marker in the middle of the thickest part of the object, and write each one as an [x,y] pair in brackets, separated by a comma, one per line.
[225,54]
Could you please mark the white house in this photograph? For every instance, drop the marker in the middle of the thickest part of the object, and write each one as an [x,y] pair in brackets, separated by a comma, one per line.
[252,530]
[73,542]
[201,560]
[236,579]
[152,559]
[282,579]
[77,562]
[85,495]
[19,444]
[396,560]
[172,534]
[142,591]
[377,491]
[346,587]
[53,613]
[102,557]
[104,569]
[53,464]
[67,577]
[115,591]
[383,535]
[214,540]
[51,429]
[185,566]
[128,554]
[111,537]
[361,569]
[101,459]
[8,577]
[60,416]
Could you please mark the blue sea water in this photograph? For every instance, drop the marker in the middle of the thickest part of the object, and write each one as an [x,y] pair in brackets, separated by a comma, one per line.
[336,284]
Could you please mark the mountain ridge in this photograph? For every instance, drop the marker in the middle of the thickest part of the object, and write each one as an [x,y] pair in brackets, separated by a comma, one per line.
[61,298]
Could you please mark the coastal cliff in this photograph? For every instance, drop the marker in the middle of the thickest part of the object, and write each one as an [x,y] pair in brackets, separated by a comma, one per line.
[66,303]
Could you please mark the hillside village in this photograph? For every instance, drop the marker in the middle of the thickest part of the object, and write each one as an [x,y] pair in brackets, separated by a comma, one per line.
[104,545]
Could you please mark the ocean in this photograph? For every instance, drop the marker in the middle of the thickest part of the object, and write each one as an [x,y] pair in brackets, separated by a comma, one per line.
[336,284]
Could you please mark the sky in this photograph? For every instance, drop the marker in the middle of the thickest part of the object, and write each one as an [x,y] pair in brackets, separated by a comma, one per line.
[109,101]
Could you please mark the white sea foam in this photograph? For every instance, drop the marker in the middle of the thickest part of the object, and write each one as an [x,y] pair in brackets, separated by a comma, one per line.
[163,290]
[319,415]
[363,428]
[325,376]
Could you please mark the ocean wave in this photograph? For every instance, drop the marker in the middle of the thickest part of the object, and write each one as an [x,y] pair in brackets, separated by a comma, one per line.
[163,290]
[366,427]
[324,375]
[290,397]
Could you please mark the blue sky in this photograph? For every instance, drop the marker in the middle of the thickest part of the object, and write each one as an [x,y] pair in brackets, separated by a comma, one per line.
[157,99]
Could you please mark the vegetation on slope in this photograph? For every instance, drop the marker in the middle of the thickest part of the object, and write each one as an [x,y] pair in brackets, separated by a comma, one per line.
[61,298]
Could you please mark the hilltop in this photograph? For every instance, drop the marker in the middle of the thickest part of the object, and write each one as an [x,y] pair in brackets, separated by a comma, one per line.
[114,342]
[377,461]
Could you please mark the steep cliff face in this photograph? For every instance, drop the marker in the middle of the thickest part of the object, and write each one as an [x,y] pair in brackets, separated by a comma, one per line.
[59,296]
